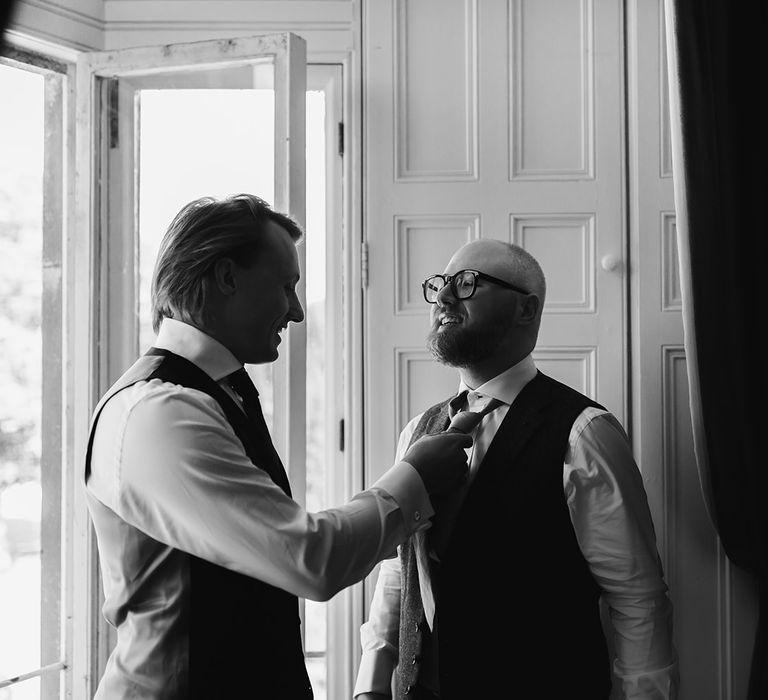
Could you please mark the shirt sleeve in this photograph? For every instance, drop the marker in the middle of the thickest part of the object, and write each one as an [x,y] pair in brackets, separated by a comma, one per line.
[613,525]
[168,463]
[379,635]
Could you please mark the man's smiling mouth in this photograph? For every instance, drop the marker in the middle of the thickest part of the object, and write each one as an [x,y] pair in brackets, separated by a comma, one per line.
[448,319]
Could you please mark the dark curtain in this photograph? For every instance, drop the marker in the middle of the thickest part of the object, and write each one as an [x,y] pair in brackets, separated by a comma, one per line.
[6,12]
[718,76]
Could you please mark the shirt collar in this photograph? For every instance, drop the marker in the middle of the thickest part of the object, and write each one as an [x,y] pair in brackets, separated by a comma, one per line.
[197,347]
[505,386]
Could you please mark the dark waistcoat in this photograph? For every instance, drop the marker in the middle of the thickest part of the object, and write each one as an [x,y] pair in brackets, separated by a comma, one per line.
[244,634]
[517,610]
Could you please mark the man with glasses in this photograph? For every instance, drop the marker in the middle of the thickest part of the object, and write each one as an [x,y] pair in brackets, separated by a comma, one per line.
[203,550]
[501,597]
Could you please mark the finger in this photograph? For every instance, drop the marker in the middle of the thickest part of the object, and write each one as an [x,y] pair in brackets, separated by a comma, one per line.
[465,440]
[455,431]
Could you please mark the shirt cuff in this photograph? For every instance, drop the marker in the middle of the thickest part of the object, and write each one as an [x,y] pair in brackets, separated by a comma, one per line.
[659,684]
[374,674]
[404,484]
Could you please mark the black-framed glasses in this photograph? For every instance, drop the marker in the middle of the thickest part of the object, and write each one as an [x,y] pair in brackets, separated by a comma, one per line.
[463,284]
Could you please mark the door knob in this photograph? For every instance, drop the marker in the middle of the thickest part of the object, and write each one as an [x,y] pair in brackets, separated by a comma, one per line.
[610,262]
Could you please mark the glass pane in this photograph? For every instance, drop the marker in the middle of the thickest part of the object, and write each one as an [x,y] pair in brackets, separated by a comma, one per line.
[196,143]
[21,240]
[316,299]
[315,613]
[26,690]
[317,676]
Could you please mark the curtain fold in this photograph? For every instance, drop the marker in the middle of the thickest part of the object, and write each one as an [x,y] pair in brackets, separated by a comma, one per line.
[717,73]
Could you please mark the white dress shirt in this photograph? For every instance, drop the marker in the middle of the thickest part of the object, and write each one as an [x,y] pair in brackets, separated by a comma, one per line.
[169,476]
[610,516]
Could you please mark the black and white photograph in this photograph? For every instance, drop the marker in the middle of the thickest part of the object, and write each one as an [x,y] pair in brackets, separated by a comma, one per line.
[383,350]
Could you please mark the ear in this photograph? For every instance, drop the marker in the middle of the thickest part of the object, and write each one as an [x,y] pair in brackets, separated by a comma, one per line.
[529,309]
[225,276]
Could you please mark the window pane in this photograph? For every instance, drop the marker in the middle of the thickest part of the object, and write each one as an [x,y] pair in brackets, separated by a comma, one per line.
[316,300]
[316,668]
[196,143]
[26,690]
[317,409]
[21,242]
[217,142]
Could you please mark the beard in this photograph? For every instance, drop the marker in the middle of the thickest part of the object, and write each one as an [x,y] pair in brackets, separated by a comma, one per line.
[460,347]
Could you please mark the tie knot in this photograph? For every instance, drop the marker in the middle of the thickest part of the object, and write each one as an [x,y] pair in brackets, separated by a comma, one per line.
[457,403]
[467,421]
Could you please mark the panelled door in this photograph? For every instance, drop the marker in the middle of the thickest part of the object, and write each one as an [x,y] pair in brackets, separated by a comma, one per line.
[516,137]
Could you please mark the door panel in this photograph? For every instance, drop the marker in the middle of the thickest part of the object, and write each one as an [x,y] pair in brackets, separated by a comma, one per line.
[491,127]
[503,138]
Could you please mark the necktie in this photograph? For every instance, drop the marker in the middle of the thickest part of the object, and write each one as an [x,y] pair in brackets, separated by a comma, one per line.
[267,457]
[466,421]
[447,505]
[430,545]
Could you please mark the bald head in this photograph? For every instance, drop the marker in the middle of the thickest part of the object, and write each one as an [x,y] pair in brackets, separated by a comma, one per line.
[506,261]
[497,325]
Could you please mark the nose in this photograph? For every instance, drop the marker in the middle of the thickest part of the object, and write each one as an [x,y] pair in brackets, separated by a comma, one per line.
[295,310]
[445,296]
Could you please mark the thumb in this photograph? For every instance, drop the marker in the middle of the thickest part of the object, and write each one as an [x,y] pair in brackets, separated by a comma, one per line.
[467,438]
[464,422]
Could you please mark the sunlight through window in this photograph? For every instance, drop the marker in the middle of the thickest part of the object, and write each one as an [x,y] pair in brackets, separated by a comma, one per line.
[21,266]
[194,143]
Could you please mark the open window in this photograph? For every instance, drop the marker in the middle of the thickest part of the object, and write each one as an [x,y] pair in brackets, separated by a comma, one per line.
[160,126]
[156,127]
[32,443]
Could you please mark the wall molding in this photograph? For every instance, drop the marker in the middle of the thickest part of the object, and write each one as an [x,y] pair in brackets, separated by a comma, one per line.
[522,227]
[405,171]
[49,22]
[516,35]
[56,8]
[671,292]
[97,25]
[464,227]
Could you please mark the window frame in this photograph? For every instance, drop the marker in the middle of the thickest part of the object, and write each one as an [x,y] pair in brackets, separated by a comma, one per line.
[54,571]
[328,78]
[85,638]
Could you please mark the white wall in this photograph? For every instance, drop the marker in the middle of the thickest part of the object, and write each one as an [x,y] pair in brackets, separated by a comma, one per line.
[74,24]
[326,25]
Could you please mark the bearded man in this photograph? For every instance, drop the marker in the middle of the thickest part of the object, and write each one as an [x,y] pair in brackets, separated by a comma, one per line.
[501,597]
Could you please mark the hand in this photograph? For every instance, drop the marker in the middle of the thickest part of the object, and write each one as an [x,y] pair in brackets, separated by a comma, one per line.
[372,696]
[440,460]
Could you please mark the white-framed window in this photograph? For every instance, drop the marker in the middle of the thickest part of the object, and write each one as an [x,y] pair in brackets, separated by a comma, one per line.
[33,483]
[167,121]
[94,308]
[73,282]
